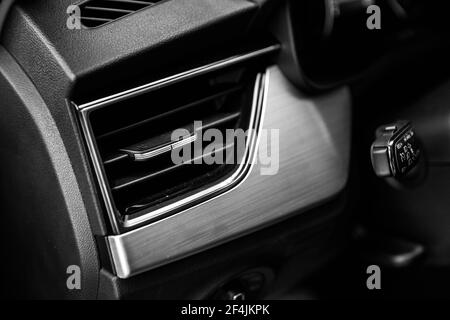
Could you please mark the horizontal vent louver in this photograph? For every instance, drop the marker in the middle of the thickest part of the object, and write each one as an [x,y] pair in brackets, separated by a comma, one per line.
[133,138]
[95,13]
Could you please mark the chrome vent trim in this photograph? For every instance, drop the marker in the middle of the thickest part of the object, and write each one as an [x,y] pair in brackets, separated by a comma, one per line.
[120,224]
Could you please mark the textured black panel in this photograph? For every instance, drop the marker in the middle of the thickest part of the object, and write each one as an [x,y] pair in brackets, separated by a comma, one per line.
[166,34]
[44,226]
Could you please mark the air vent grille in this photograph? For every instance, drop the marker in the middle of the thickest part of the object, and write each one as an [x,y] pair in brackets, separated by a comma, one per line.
[144,172]
[134,137]
[95,13]
[133,144]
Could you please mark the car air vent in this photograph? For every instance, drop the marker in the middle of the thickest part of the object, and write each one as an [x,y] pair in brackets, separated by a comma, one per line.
[129,136]
[94,13]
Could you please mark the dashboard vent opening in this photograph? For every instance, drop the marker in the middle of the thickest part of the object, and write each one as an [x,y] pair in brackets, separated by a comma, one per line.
[94,13]
[129,136]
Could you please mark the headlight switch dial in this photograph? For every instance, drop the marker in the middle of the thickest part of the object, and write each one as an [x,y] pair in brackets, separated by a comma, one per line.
[396,150]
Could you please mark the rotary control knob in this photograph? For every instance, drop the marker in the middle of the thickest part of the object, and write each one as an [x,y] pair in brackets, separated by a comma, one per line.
[396,150]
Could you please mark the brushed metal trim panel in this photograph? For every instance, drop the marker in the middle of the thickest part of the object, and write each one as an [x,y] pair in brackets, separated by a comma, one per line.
[314,156]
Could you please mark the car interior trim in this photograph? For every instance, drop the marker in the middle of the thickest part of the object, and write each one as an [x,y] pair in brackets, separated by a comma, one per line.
[314,148]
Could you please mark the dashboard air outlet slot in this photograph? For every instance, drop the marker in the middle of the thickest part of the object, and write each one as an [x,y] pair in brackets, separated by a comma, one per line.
[145,172]
[95,13]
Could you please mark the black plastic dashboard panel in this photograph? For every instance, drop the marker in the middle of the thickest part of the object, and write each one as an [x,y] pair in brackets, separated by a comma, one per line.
[44,226]
[144,40]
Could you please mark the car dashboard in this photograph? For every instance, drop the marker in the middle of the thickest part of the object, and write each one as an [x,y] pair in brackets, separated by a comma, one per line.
[93,91]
